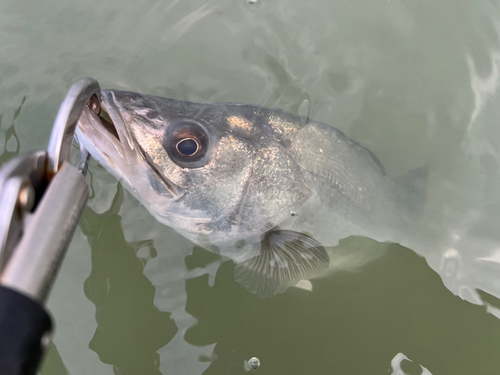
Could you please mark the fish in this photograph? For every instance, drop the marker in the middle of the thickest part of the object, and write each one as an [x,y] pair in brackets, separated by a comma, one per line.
[270,190]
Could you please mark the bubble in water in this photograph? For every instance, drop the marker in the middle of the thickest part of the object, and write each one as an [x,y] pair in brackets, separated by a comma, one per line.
[252,1]
[252,364]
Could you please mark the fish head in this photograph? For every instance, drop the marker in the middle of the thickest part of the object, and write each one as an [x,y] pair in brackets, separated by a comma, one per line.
[215,172]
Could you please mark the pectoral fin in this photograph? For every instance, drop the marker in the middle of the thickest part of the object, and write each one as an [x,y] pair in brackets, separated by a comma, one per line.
[285,258]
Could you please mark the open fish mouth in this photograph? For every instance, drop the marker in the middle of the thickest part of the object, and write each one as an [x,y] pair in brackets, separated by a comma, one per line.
[107,123]
[108,139]
[104,134]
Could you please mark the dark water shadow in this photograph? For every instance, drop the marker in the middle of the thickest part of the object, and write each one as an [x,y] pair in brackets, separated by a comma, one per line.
[53,363]
[130,329]
[352,323]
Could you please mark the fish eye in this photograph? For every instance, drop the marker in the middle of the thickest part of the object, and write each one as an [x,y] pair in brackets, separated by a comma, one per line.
[187,146]
[186,142]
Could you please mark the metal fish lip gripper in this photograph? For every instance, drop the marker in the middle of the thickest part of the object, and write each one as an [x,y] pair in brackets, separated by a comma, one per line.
[42,197]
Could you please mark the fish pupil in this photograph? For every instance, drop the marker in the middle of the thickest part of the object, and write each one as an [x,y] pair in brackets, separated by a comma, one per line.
[187,147]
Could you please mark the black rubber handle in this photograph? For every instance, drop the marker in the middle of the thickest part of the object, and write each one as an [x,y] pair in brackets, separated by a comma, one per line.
[23,323]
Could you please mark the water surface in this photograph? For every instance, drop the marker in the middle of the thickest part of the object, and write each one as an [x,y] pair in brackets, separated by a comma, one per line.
[416,82]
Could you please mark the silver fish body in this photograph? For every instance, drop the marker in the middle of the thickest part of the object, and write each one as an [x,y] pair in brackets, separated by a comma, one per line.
[258,185]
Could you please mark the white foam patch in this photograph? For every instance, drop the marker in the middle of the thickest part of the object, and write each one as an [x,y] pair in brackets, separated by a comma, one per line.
[483,88]
[304,284]
[396,365]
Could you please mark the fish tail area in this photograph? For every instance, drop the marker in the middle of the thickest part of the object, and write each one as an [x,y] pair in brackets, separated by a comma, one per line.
[285,258]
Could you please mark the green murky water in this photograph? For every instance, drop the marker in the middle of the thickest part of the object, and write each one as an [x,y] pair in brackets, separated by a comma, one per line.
[416,82]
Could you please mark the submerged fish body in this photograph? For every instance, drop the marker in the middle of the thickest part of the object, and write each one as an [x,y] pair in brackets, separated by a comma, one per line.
[261,186]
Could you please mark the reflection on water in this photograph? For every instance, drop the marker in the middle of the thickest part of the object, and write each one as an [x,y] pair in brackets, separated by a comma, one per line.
[130,328]
[352,322]
[9,142]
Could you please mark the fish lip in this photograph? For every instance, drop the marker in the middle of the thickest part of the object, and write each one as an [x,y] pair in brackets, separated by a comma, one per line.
[108,102]
[108,130]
